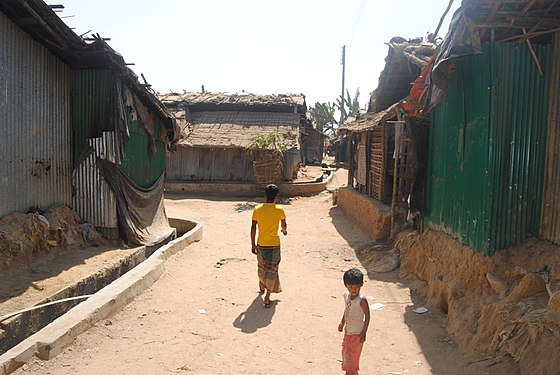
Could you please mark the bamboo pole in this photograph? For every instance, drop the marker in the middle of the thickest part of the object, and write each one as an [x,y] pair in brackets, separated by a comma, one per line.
[533,53]
[7,316]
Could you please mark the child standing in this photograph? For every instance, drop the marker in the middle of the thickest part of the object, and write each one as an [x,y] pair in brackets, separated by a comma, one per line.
[355,321]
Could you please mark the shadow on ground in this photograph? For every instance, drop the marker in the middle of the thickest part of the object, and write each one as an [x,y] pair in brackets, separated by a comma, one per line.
[256,316]
[18,280]
[440,350]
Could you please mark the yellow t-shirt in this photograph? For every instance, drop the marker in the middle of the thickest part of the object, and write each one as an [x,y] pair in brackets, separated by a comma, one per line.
[268,216]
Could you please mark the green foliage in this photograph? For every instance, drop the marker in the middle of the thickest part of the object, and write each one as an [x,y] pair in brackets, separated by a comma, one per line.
[323,113]
[323,117]
[265,146]
[347,106]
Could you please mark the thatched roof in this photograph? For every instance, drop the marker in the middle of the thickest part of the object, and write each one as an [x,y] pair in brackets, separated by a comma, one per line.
[368,120]
[234,129]
[197,101]
[501,20]
[402,65]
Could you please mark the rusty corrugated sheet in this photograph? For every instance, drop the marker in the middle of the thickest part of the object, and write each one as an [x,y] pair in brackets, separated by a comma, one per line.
[487,139]
[36,143]
[550,222]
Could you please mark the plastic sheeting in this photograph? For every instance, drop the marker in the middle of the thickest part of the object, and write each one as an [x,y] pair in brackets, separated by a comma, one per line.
[141,213]
[462,40]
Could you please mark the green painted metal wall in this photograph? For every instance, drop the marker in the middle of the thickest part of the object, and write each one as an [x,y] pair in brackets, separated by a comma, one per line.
[487,148]
[142,168]
[95,111]
[93,105]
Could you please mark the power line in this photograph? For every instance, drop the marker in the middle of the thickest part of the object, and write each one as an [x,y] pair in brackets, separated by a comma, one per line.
[357,21]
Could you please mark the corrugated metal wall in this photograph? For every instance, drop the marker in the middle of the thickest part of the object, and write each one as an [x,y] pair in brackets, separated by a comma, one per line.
[94,105]
[487,148]
[36,141]
[93,199]
[519,129]
[202,164]
[141,167]
[94,116]
[550,223]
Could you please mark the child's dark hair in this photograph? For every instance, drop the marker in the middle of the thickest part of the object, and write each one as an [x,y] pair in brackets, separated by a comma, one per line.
[271,191]
[353,277]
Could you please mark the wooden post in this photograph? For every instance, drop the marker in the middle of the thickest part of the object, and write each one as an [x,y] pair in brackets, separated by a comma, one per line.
[395,170]
[368,163]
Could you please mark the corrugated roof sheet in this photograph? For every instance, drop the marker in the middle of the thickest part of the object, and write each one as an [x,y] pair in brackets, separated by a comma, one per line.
[370,120]
[37,19]
[234,129]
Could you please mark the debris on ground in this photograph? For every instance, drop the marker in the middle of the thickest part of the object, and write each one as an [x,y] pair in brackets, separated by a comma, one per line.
[25,236]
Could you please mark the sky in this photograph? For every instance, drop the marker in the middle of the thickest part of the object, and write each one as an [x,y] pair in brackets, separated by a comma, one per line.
[257,46]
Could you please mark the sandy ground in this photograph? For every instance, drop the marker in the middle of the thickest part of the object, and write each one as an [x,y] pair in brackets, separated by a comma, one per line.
[204,315]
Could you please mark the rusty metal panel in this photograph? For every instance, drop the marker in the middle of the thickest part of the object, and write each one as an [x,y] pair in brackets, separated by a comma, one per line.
[36,142]
[93,199]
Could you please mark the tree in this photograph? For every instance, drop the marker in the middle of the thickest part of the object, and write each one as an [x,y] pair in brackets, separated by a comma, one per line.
[348,107]
[323,117]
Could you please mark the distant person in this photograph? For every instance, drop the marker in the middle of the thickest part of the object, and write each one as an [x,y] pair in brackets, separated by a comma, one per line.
[355,321]
[266,217]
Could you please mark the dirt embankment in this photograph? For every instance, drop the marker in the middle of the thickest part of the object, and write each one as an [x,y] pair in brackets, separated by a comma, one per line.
[24,237]
[507,304]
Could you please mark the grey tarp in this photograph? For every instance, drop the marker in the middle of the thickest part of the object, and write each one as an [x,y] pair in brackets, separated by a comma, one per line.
[141,213]
[461,40]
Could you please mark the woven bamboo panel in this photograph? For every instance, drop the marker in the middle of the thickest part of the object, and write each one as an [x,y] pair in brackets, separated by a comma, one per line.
[405,172]
[377,161]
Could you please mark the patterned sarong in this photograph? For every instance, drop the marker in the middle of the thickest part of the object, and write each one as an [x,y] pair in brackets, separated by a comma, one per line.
[268,259]
[351,351]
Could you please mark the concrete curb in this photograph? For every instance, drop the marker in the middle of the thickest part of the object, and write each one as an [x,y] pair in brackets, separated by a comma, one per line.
[51,340]
[245,189]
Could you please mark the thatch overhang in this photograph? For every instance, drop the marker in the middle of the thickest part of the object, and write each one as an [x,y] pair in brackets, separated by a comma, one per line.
[368,120]
[206,101]
[403,64]
[235,129]
[39,20]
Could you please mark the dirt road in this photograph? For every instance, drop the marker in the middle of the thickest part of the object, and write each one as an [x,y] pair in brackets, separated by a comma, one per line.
[204,315]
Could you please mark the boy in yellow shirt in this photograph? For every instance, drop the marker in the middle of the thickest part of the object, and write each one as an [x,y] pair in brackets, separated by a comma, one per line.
[266,217]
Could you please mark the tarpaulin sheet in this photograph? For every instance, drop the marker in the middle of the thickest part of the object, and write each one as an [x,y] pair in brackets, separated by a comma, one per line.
[141,213]
[461,40]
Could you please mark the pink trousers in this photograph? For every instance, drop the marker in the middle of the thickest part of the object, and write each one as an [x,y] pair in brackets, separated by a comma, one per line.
[351,351]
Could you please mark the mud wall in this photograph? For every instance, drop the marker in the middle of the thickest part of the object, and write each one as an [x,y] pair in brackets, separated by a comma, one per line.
[501,305]
[371,215]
